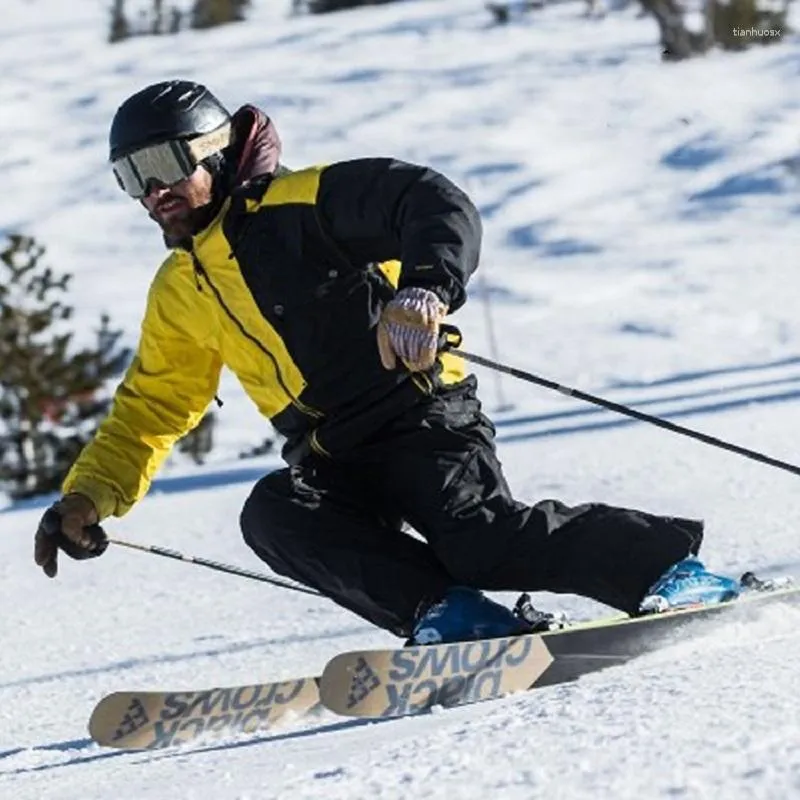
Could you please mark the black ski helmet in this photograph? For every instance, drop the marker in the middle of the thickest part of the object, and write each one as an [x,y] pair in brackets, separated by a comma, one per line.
[164,112]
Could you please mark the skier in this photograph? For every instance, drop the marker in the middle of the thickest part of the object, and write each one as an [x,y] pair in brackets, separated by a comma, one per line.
[324,291]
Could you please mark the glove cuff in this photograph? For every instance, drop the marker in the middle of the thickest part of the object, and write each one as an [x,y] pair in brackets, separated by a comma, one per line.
[440,291]
[422,299]
[103,497]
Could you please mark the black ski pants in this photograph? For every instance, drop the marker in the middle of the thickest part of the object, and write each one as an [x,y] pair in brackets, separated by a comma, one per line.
[337,526]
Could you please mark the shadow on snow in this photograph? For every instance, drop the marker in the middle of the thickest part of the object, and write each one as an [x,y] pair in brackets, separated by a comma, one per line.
[674,398]
[88,751]
[171,484]
[211,652]
[711,408]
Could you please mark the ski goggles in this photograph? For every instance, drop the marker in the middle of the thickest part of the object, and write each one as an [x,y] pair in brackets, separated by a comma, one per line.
[166,163]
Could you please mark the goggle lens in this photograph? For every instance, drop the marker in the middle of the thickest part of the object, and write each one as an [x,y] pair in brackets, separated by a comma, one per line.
[164,164]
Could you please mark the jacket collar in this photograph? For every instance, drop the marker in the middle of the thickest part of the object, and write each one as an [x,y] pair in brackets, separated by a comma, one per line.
[254,152]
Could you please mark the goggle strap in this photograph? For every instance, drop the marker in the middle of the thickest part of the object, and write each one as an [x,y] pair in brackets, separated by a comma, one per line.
[202,147]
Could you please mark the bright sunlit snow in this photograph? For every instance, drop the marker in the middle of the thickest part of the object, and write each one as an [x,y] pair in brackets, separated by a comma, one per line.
[641,242]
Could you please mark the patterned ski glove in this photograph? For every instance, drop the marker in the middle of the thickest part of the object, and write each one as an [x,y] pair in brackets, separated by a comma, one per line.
[409,329]
[69,525]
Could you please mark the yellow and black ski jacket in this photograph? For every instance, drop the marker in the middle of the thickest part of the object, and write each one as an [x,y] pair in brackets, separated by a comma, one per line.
[285,287]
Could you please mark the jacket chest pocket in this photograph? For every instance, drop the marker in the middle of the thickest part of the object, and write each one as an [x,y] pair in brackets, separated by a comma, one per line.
[304,293]
[295,299]
[325,323]
[302,290]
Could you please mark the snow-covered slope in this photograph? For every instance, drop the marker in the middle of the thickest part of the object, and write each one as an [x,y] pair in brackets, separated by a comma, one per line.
[641,243]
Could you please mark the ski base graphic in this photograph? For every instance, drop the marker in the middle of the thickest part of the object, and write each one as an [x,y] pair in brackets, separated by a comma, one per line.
[392,683]
[154,720]
[407,680]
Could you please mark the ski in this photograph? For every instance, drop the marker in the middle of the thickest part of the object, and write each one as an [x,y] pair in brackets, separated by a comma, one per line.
[408,680]
[154,720]
[402,681]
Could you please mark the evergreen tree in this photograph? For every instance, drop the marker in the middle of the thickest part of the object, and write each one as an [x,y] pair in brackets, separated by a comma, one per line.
[199,442]
[50,401]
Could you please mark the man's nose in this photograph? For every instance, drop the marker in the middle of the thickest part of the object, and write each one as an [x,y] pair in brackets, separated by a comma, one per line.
[155,189]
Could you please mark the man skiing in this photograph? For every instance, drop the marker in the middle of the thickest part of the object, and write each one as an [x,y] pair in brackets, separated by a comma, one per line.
[324,291]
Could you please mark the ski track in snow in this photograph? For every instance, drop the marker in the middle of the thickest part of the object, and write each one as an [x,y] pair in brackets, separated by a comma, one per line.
[640,243]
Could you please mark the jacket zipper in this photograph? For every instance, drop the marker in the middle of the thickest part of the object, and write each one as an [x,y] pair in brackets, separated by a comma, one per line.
[295,401]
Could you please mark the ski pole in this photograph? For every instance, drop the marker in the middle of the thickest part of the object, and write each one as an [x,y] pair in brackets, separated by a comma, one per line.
[451,337]
[204,562]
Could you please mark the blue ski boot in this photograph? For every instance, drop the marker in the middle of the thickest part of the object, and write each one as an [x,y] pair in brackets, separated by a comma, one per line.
[465,614]
[688,583]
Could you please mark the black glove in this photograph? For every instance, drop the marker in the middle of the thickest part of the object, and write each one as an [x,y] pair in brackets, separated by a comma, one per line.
[69,525]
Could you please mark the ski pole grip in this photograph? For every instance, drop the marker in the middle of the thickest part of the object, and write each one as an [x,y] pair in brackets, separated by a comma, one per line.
[449,337]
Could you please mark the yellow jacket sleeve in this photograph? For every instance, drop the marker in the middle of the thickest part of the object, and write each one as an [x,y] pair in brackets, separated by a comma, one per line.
[163,395]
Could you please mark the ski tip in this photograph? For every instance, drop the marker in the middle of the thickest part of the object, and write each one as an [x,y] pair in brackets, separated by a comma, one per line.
[349,679]
[110,717]
[335,678]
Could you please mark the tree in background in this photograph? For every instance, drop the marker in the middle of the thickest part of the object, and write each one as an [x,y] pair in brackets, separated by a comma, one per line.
[50,392]
[199,442]
[676,40]
[163,18]
[727,24]
[210,13]
[738,24]
[326,6]
[266,446]
[120,29]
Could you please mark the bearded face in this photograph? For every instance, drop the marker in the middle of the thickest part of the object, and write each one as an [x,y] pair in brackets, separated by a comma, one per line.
[175,207]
